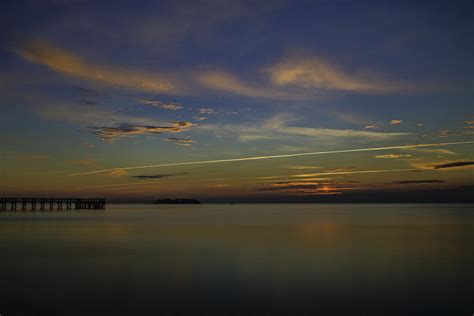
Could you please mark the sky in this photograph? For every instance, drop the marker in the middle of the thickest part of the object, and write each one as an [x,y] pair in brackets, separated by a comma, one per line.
[244,101]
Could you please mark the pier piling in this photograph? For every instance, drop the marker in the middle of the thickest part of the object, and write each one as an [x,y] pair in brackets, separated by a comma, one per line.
[10,204]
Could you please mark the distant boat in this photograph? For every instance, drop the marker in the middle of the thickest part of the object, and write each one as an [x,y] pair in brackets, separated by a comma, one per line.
[176,201]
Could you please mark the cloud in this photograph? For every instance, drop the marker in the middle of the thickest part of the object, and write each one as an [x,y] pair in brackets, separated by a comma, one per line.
[344,169]
[116,172]
[446,133]
[164,105]
[155,176]
[469,122]
[181,141]
[57,59]
[127,130]
[82,162]
[396,122]
[443,165]
[223,81]
[302,188]
[351,117]
[441,151]
[317,74]
[200,118]
[308,175]
[392,156]
[418,181]
[144,177]
[298,79]
[371,127]
[305,167]
[455,164]
[279,125]
[323,188]
[206,111]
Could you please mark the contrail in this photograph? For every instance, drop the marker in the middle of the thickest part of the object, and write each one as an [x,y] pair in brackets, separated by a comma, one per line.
[271,157]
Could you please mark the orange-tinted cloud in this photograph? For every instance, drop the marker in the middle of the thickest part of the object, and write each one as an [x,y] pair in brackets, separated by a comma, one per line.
[396,122]
[392,156]
[64,62]
[318,74]
[223,81]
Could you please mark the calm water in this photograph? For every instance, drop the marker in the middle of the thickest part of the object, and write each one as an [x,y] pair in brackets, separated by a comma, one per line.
[240,260]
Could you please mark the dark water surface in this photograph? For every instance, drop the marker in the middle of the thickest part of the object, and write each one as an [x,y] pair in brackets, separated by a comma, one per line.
[311,259]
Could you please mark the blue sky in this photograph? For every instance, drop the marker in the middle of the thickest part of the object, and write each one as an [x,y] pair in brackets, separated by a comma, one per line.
[89,86]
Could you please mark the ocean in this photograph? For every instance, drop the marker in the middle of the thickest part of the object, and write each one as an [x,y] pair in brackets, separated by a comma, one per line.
[242,259]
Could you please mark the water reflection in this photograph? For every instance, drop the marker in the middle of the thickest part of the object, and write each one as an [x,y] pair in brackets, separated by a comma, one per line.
[249,259]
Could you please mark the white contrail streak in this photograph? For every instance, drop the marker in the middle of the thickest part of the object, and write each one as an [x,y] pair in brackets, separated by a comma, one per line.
[271,157]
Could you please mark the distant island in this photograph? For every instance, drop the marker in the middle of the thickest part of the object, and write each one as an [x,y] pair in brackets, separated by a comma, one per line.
[176,201]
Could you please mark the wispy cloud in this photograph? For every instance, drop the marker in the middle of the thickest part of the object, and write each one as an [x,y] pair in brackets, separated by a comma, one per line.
[279,126]
[307,175]
[371,127]
[343,169]
[446,133]
[116,172]
[440,151]
[280,123]
[64,62]
[305,167]
[163,105]
[323,188]
[419,181]
[155,176]
[223,81]
[206,111]
[443,165]
[396,122]
[317,74]
[186,142]
[455,164]
[127,130]
[392,156]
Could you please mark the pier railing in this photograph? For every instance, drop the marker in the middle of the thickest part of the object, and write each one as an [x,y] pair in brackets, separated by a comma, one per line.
[42,204]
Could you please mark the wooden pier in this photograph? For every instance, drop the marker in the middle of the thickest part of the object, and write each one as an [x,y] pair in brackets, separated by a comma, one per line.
[9,204]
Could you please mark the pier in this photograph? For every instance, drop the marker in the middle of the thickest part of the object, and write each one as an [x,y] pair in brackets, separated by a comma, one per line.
[13,204]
